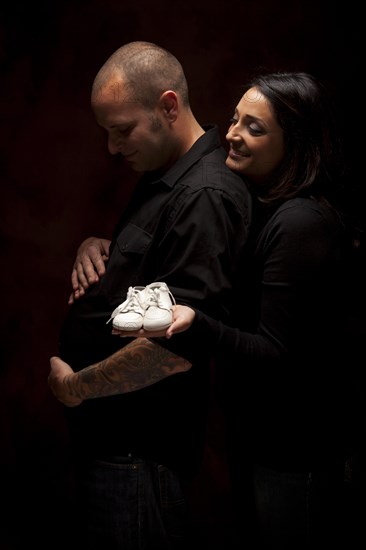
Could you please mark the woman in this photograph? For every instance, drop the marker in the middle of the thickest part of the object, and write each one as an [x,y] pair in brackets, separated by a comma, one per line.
[286,401]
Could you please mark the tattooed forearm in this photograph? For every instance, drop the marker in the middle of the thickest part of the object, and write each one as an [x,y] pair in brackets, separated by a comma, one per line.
[137,365]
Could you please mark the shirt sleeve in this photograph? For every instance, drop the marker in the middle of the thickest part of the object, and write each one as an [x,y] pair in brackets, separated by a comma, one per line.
[298,255]
[200,250]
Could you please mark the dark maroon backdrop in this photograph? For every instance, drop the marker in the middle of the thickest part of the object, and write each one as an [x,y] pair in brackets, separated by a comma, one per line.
[60,185]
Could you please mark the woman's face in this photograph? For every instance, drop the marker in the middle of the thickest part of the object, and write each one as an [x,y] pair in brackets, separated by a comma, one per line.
[255,137]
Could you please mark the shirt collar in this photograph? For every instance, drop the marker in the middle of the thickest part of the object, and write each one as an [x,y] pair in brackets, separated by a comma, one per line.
[207,143]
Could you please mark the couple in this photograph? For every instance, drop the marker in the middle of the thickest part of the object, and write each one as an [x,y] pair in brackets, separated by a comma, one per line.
[250,243]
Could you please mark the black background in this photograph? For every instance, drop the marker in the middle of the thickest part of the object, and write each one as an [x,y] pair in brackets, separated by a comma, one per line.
[59,185]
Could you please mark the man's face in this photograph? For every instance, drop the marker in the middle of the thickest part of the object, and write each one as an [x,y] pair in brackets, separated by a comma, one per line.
[141,136]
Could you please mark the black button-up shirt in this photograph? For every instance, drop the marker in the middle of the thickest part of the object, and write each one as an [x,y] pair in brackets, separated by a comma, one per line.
[186,227]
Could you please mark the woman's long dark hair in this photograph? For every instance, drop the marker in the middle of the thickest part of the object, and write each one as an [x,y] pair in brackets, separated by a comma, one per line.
[314,164]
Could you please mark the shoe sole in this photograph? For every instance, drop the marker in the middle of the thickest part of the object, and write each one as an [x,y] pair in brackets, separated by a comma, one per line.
[157,327]
[127,326]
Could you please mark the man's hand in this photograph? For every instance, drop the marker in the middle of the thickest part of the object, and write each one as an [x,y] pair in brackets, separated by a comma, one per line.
[60,382]
[89,265]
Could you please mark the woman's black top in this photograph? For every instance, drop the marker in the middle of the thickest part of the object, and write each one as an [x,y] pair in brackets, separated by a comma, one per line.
[286,375]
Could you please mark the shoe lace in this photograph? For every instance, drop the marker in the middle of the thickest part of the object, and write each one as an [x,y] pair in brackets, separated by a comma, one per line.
[153,297]
[133,302]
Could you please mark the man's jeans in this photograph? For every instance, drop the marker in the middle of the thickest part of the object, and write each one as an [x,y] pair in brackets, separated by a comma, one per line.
[131,504]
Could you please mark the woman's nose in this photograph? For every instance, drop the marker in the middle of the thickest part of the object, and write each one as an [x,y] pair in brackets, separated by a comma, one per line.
[232,135]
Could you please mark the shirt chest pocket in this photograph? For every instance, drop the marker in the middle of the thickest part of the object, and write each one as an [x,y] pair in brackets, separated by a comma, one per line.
[126,262]
[133,240]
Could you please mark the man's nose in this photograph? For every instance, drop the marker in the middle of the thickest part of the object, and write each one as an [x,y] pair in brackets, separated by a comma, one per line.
[113,144]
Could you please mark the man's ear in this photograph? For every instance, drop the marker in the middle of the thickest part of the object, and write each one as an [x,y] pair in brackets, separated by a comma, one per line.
[169,105]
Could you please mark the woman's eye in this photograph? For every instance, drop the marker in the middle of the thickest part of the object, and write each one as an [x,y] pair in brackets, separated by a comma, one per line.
[233,120]
[255,130]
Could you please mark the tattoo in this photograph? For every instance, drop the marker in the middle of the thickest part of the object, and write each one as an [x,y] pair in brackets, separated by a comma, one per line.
[139,364]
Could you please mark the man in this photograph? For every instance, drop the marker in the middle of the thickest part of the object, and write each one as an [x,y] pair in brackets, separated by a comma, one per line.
[186,224]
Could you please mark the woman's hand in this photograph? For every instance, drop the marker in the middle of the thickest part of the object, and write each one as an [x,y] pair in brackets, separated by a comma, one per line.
[183,317]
